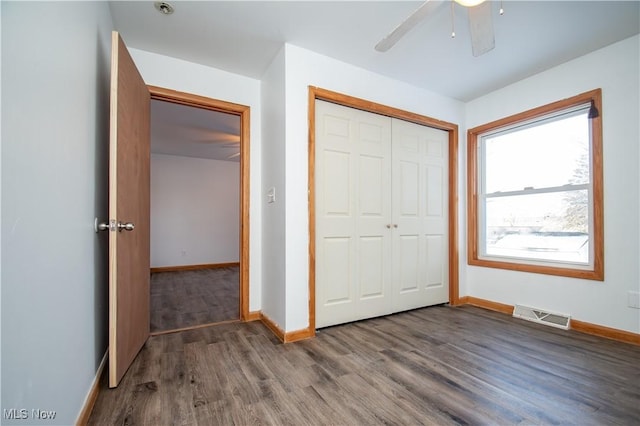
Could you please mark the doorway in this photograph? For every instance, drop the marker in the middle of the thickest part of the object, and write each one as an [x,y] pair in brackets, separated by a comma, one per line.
[200,233]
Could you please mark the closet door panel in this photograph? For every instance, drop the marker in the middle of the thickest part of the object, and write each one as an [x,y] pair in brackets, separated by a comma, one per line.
[353,169]
[373,138]
[335,188]
[420,200]
[336,272]
[335,218]
[406,239]
[409,264]
[434,262]
[409,189]
[436,216]
[371,274]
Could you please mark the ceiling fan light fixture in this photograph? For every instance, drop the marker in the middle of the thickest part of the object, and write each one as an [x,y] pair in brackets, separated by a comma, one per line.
[469,3]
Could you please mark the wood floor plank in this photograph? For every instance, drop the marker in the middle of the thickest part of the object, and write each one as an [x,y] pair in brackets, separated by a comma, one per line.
[510,408]
[551,380]
[402,399]
[344,405]
[175,392]
[498,375]
[205,388]
[438,365]
[314,408]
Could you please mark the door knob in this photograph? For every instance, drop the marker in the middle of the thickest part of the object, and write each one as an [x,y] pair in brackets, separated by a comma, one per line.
[125,226]
[112,226]
[103,226]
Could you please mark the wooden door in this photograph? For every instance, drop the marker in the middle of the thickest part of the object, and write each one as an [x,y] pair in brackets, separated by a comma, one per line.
[353,212]
[420,216]
[128,204]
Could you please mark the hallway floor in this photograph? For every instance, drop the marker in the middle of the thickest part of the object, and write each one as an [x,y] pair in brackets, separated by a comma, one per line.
[190,298]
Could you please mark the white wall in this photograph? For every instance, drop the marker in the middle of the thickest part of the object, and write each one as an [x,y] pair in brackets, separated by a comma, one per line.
[615,69]
[304,68]
[176,74]
[273,176]
[195,210]
[55,134]
[0,211]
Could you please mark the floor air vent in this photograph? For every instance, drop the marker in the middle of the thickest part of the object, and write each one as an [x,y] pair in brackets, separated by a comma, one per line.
[543,317]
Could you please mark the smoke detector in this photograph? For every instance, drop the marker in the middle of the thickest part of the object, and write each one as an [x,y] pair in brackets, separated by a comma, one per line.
[164,7]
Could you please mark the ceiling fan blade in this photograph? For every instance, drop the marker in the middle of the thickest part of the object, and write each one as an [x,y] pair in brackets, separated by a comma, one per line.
[220,140]
[219,132]
[481,28]
[427,8]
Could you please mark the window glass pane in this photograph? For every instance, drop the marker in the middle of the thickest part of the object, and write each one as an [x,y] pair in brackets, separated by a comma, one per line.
[550,154]
[551,227]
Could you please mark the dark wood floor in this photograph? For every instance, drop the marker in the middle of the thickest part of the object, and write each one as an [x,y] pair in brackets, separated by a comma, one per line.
[190,298]
[438,365]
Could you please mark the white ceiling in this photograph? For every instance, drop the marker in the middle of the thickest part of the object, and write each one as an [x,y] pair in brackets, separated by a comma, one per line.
[194,132]
[243,37]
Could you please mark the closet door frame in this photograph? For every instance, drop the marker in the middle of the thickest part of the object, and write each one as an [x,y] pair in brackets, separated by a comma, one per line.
[316,93]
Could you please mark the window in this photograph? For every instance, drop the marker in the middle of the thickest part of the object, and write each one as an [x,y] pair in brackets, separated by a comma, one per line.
[535,190]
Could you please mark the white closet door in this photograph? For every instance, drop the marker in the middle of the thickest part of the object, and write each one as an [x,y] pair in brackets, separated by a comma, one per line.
[353,209]
[420,212]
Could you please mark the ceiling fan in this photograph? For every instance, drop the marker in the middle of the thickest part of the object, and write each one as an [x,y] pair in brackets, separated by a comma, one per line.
[231,142]
[480,24]
[219,138]
[225,140]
